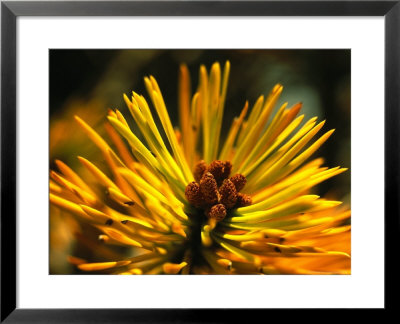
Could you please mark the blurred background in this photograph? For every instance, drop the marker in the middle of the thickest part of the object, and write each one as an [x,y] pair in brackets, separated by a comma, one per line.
[89,82]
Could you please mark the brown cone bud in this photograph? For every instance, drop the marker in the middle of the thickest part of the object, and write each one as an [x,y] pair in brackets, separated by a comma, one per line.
[243,200]
[217,212]
[209,189]
[193,194]
[227,169]
[239,181]
[216,168]
[199,170]
[228,194]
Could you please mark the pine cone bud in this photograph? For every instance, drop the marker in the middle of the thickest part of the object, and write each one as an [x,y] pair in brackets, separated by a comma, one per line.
[239,181]
[228,194]
[217,212]
[199,170]
[193,194]
[216,168]
[209,189]
[243,200]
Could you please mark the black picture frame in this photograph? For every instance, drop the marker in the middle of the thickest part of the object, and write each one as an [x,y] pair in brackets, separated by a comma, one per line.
[11,10]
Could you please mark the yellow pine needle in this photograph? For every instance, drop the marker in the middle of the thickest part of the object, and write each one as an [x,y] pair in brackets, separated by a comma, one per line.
[96,138]
[242,237]
[259,148]
[99,142]
[144,108]
[329,254]
[154,270]
[282,224]
[119,197]
[148,128]
[228,144]
[205,236]
[288,117]
[294,206]
[257,247]
[84,196]
[143,257]
[166,122]
[159,104]
[254,114]
[220,108]
[121,237]
[225,263]
[216,263]
[126,189]
[98,216]
[292,179]
[121,148]
[102,265]
[105,239]
[325,204]
[265,111]
[164,189]
[116,226]
[137,215]
[267,147]
[290,191]
[173,268]
[314,147]
[139,150]
[272,232]
[304,223]
[205,111]
[245,267]
[327,174]
[301,158]
[134,271]
[161,250]
[281,151]
[75,260]
[154,140]
[244,133]
[296,235]
[72,176]
[121,118]
[178,229]
[100,176]
[258,125]
[112,113]
[168,239]
[216,105]
[214,88]
[141,102]
[238,251]
[148,176]
[184,112]
[284,248]
[144,187]
[275,170]
[54,188]
[337,230]
[195,117]
[157,208]
[135,112]
[69,206]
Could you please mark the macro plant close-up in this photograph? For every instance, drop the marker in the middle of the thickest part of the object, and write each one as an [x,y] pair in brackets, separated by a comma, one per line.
[201,187]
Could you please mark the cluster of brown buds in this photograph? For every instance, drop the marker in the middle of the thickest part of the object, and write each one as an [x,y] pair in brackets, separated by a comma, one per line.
[214,191]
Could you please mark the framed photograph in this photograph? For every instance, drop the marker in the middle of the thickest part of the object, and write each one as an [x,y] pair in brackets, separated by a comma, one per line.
[197,158]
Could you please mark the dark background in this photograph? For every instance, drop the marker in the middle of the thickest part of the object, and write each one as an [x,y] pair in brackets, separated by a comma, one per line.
[96,79]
